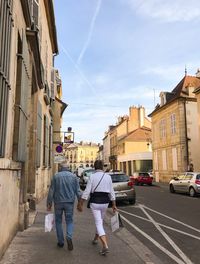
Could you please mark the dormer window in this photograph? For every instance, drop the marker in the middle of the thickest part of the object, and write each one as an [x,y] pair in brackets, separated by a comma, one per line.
[162,98]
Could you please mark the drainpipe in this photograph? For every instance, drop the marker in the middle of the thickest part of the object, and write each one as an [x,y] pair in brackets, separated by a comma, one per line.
[186,135]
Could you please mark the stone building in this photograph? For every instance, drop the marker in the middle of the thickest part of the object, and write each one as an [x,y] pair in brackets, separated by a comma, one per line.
[28,44]
[81,155]
[175,130]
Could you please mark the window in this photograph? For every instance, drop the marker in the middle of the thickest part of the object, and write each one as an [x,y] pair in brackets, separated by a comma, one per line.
[163,128]
[5,43]
[45,141]
[164,160]
[173,123]
[174,159]
[39,135]
[21,99]
[156,160]
[50,145]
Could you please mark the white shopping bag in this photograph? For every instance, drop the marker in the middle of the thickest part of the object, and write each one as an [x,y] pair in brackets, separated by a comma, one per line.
[49,222]
[114,222]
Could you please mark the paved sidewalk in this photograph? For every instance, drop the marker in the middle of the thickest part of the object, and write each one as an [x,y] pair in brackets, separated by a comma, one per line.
[35,246]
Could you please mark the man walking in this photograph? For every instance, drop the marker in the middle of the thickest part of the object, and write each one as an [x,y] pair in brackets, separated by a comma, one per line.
[63,191]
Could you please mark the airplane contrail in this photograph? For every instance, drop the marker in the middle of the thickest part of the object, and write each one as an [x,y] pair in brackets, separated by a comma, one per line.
[90,32]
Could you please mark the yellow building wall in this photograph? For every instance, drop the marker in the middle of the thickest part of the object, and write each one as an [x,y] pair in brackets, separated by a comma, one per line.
[163,147]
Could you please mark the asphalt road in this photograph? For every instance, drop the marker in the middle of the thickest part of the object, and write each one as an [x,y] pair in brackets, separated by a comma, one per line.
[168,224]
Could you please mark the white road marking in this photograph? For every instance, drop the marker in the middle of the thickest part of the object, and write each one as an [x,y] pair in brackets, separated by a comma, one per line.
[168,227]
[177,221]
[171,242]
[171,255]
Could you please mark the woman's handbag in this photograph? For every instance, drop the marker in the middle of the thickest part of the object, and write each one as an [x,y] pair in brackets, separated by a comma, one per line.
[89,200]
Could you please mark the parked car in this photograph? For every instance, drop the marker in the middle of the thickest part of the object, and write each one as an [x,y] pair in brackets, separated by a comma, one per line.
[188,182]
[140,178]
[85,176]
[123,187]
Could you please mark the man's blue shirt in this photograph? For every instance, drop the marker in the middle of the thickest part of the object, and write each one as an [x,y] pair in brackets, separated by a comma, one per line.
[64,188]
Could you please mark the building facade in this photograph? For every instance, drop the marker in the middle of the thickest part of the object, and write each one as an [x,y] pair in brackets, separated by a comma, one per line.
[81,155]
[130,142]
[175,131]
[28,44]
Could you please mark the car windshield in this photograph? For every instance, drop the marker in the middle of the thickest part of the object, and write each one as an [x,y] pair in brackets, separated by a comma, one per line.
[88,172]
[144,174]
[198,177]
[119,178]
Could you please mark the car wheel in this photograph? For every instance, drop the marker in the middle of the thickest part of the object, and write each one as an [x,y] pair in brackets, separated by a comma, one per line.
[131,201]
[150,184]
[171,188]
[192,192]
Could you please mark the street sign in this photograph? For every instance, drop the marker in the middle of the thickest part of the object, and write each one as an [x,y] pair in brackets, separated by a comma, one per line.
[68,137]
[59,149]
[59,158]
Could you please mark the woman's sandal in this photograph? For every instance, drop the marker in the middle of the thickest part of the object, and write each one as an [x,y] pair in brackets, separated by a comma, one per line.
[104,251]
[94,242]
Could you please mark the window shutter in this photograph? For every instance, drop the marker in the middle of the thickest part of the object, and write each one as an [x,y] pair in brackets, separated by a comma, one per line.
[39,135]
[5,41]
[47,142]
[21,103]
[53,83]
[35,13]
[50,144]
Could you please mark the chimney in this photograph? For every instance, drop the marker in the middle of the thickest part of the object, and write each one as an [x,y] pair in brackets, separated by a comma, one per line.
[141,116]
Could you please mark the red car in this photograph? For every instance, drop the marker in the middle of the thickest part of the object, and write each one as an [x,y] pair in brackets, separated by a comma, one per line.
[140,178]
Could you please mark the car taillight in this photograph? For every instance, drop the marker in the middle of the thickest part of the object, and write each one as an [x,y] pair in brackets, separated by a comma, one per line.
[197,182]
[130,183]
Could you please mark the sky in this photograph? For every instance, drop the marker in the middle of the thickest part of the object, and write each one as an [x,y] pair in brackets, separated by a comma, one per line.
[114,54]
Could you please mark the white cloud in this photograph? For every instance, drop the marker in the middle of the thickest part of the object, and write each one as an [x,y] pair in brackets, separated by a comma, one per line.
[168,10]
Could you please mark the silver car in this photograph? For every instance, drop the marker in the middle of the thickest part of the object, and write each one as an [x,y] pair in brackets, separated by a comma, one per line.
[123,187]
[188,182]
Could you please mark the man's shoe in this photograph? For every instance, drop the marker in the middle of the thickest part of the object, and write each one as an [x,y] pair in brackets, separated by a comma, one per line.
[60,245]
[70,244]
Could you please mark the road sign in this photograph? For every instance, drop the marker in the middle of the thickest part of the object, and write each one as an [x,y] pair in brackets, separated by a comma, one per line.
[59,149]
[59,158]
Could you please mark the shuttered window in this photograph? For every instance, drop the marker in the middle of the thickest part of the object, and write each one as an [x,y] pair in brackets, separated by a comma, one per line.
[21,100]
[35,13]
[5,43]
[45,141]
[53,84]
[39,135]
[50,144]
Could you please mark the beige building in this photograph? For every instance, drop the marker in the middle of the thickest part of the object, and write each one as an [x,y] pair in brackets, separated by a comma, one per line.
[134,141]
[130,142]
[28,44]
[175,130]
[81,155]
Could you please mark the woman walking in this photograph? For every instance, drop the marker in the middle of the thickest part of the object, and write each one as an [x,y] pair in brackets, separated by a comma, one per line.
[100,190]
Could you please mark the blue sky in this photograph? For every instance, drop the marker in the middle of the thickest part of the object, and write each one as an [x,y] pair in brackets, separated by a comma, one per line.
[114,54]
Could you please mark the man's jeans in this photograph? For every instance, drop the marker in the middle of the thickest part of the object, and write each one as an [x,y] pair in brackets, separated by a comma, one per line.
[67,208]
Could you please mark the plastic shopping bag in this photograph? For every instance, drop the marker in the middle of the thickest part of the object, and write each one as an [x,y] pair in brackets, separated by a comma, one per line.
[116,222]
[49,222]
